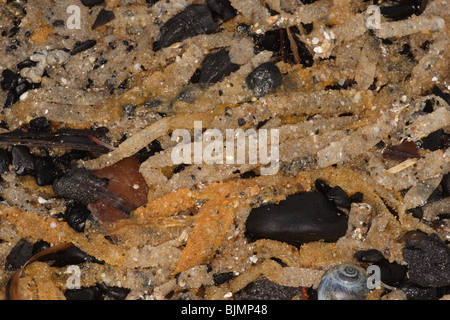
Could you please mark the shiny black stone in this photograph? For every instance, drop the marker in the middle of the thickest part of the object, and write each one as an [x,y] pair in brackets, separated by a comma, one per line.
[22,160]
[193,20]
[222,8]
[76,215]
[10,79]
[301,218]
[46,171]
[18,255]
[216,66]
[339,197]
[264,79]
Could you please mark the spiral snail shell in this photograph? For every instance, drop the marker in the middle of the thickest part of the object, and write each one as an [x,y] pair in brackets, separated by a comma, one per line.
[343,282]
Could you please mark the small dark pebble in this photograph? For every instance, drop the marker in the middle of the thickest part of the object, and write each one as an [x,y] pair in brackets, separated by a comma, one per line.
[82,46]
[339,197]
[220,278]
[46,171]
[18,255]
[436,140]
[401,11]
[22,160]
[91,3]
[5,161]
[58,23]
[79,184]
[39,123]
[216,66]
[416,212]
[301,218]
[241,122]
[264,289]
[103,17]
[76,215]
[222,8]
[10,79]
[248,175]
[264,79]
[321,186]
[193,20]
[357,197]
[428,261]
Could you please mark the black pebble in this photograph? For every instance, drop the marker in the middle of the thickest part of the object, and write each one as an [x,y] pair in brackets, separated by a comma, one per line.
[428,261]
[339,197]
[222,8]
[46,171]
[22,160]
[264,289]
[193,20]
[10,79]
[79,184]
[216,66]
[399,12]
[5,161]
[18,255]
[301,218]
[82,46]
[436,140]
[76,215]
[220,278]
[103,17]
[91,3]
[264,79]
[321,186]
[39,123]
